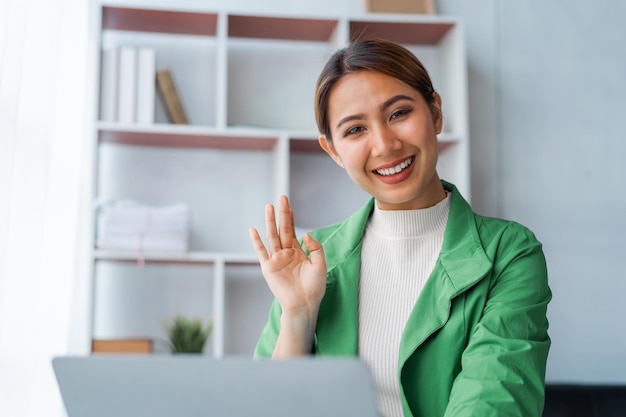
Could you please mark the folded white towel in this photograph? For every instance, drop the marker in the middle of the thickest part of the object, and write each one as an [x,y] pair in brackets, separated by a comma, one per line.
[130,216]
[130,225]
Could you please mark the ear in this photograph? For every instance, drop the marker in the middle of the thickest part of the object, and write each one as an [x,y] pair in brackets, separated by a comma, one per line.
[437,113]
[328,147]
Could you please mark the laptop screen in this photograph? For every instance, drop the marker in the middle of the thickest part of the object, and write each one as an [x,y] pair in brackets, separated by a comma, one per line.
[196,385]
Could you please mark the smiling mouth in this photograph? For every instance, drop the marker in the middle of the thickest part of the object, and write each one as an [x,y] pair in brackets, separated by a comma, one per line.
[395,170]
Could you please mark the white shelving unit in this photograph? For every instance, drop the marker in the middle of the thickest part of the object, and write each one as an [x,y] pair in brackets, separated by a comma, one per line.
[247,85]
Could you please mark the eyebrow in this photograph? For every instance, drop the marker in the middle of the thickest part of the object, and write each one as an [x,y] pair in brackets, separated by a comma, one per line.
[388,103]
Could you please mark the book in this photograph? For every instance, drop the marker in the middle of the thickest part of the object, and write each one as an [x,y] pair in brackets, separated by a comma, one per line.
[146,85]
[171,98]
[108,84]
[127,87]
[121,346]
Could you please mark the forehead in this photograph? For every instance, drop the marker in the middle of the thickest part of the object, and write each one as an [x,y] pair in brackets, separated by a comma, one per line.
[367,81]
[356,92]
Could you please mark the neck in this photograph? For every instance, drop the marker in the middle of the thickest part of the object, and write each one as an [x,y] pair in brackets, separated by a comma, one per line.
[429,196]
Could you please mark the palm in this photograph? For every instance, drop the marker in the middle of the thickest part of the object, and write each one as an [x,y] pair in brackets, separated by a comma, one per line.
[297,281]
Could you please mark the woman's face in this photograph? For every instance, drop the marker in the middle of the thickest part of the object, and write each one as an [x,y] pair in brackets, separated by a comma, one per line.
[384,135]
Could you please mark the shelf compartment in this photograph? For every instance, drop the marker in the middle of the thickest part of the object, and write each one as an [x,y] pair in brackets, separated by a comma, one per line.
[271,84]
[216,185]
[244,286]
[133,301]
[192,61]
[160,21]
[272,66]
[285,28]
[426,32]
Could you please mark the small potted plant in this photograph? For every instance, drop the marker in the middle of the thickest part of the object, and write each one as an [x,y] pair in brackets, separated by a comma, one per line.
[187,335]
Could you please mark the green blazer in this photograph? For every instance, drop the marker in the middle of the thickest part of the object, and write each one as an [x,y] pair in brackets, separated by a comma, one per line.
[476,342]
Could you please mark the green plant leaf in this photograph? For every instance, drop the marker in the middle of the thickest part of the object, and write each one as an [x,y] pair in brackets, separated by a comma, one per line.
[187,335]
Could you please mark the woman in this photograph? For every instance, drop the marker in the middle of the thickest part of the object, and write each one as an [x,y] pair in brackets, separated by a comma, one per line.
[448,308]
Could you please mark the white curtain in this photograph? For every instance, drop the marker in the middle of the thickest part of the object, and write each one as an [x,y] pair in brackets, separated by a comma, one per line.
[44,144]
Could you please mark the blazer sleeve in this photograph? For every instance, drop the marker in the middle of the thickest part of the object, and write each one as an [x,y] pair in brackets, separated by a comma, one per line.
[269,335]
[503,365]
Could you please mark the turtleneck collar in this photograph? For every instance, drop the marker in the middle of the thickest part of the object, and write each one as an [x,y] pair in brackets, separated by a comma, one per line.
[410,223]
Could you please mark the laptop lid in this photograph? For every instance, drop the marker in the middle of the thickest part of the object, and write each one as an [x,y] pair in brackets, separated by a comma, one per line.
[195,385]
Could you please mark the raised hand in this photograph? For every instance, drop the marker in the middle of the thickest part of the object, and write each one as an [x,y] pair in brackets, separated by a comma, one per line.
[297,281]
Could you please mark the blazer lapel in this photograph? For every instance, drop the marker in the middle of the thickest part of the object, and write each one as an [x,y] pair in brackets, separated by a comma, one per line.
[337,324]
[462,262]
[337,328]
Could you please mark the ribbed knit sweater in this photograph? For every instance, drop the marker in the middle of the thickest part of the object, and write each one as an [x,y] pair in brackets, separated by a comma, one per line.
[400,249]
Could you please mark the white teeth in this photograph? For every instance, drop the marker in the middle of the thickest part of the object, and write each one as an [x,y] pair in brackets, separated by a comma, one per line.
[396,169]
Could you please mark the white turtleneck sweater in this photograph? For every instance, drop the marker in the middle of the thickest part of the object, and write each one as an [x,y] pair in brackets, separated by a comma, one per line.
[400,249]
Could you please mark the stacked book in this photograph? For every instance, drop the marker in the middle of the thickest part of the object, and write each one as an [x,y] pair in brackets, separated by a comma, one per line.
[129,79]
[129,225]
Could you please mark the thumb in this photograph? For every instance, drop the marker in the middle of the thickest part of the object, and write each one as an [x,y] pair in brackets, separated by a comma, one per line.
[315,248]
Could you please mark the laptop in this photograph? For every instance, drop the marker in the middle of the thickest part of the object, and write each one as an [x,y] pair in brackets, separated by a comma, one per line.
[195,385]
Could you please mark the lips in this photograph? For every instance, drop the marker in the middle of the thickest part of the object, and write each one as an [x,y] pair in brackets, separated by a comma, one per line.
[395,169]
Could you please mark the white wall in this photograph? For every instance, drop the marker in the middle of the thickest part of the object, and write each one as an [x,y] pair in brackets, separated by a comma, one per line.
[548,118]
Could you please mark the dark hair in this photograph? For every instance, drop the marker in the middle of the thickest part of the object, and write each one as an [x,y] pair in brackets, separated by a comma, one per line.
[375,55]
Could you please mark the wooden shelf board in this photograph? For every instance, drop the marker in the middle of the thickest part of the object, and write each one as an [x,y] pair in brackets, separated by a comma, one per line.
[160,21]
[447,140]
[418,33]
[296,29]
[208,258]
[297,144]
[183,137]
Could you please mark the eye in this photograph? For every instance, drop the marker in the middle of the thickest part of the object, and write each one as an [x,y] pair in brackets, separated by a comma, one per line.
[400,113]
[353,130]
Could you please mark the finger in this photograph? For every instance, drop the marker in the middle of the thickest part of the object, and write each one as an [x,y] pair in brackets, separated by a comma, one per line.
[315,249]
[273,240]
[257,244]
[285,226]
[293,227]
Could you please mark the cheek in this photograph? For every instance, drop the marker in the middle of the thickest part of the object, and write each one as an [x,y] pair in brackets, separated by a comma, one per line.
[422,133]
[351,155]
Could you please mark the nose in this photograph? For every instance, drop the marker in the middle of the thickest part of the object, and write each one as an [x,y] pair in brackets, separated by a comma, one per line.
[384,140]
